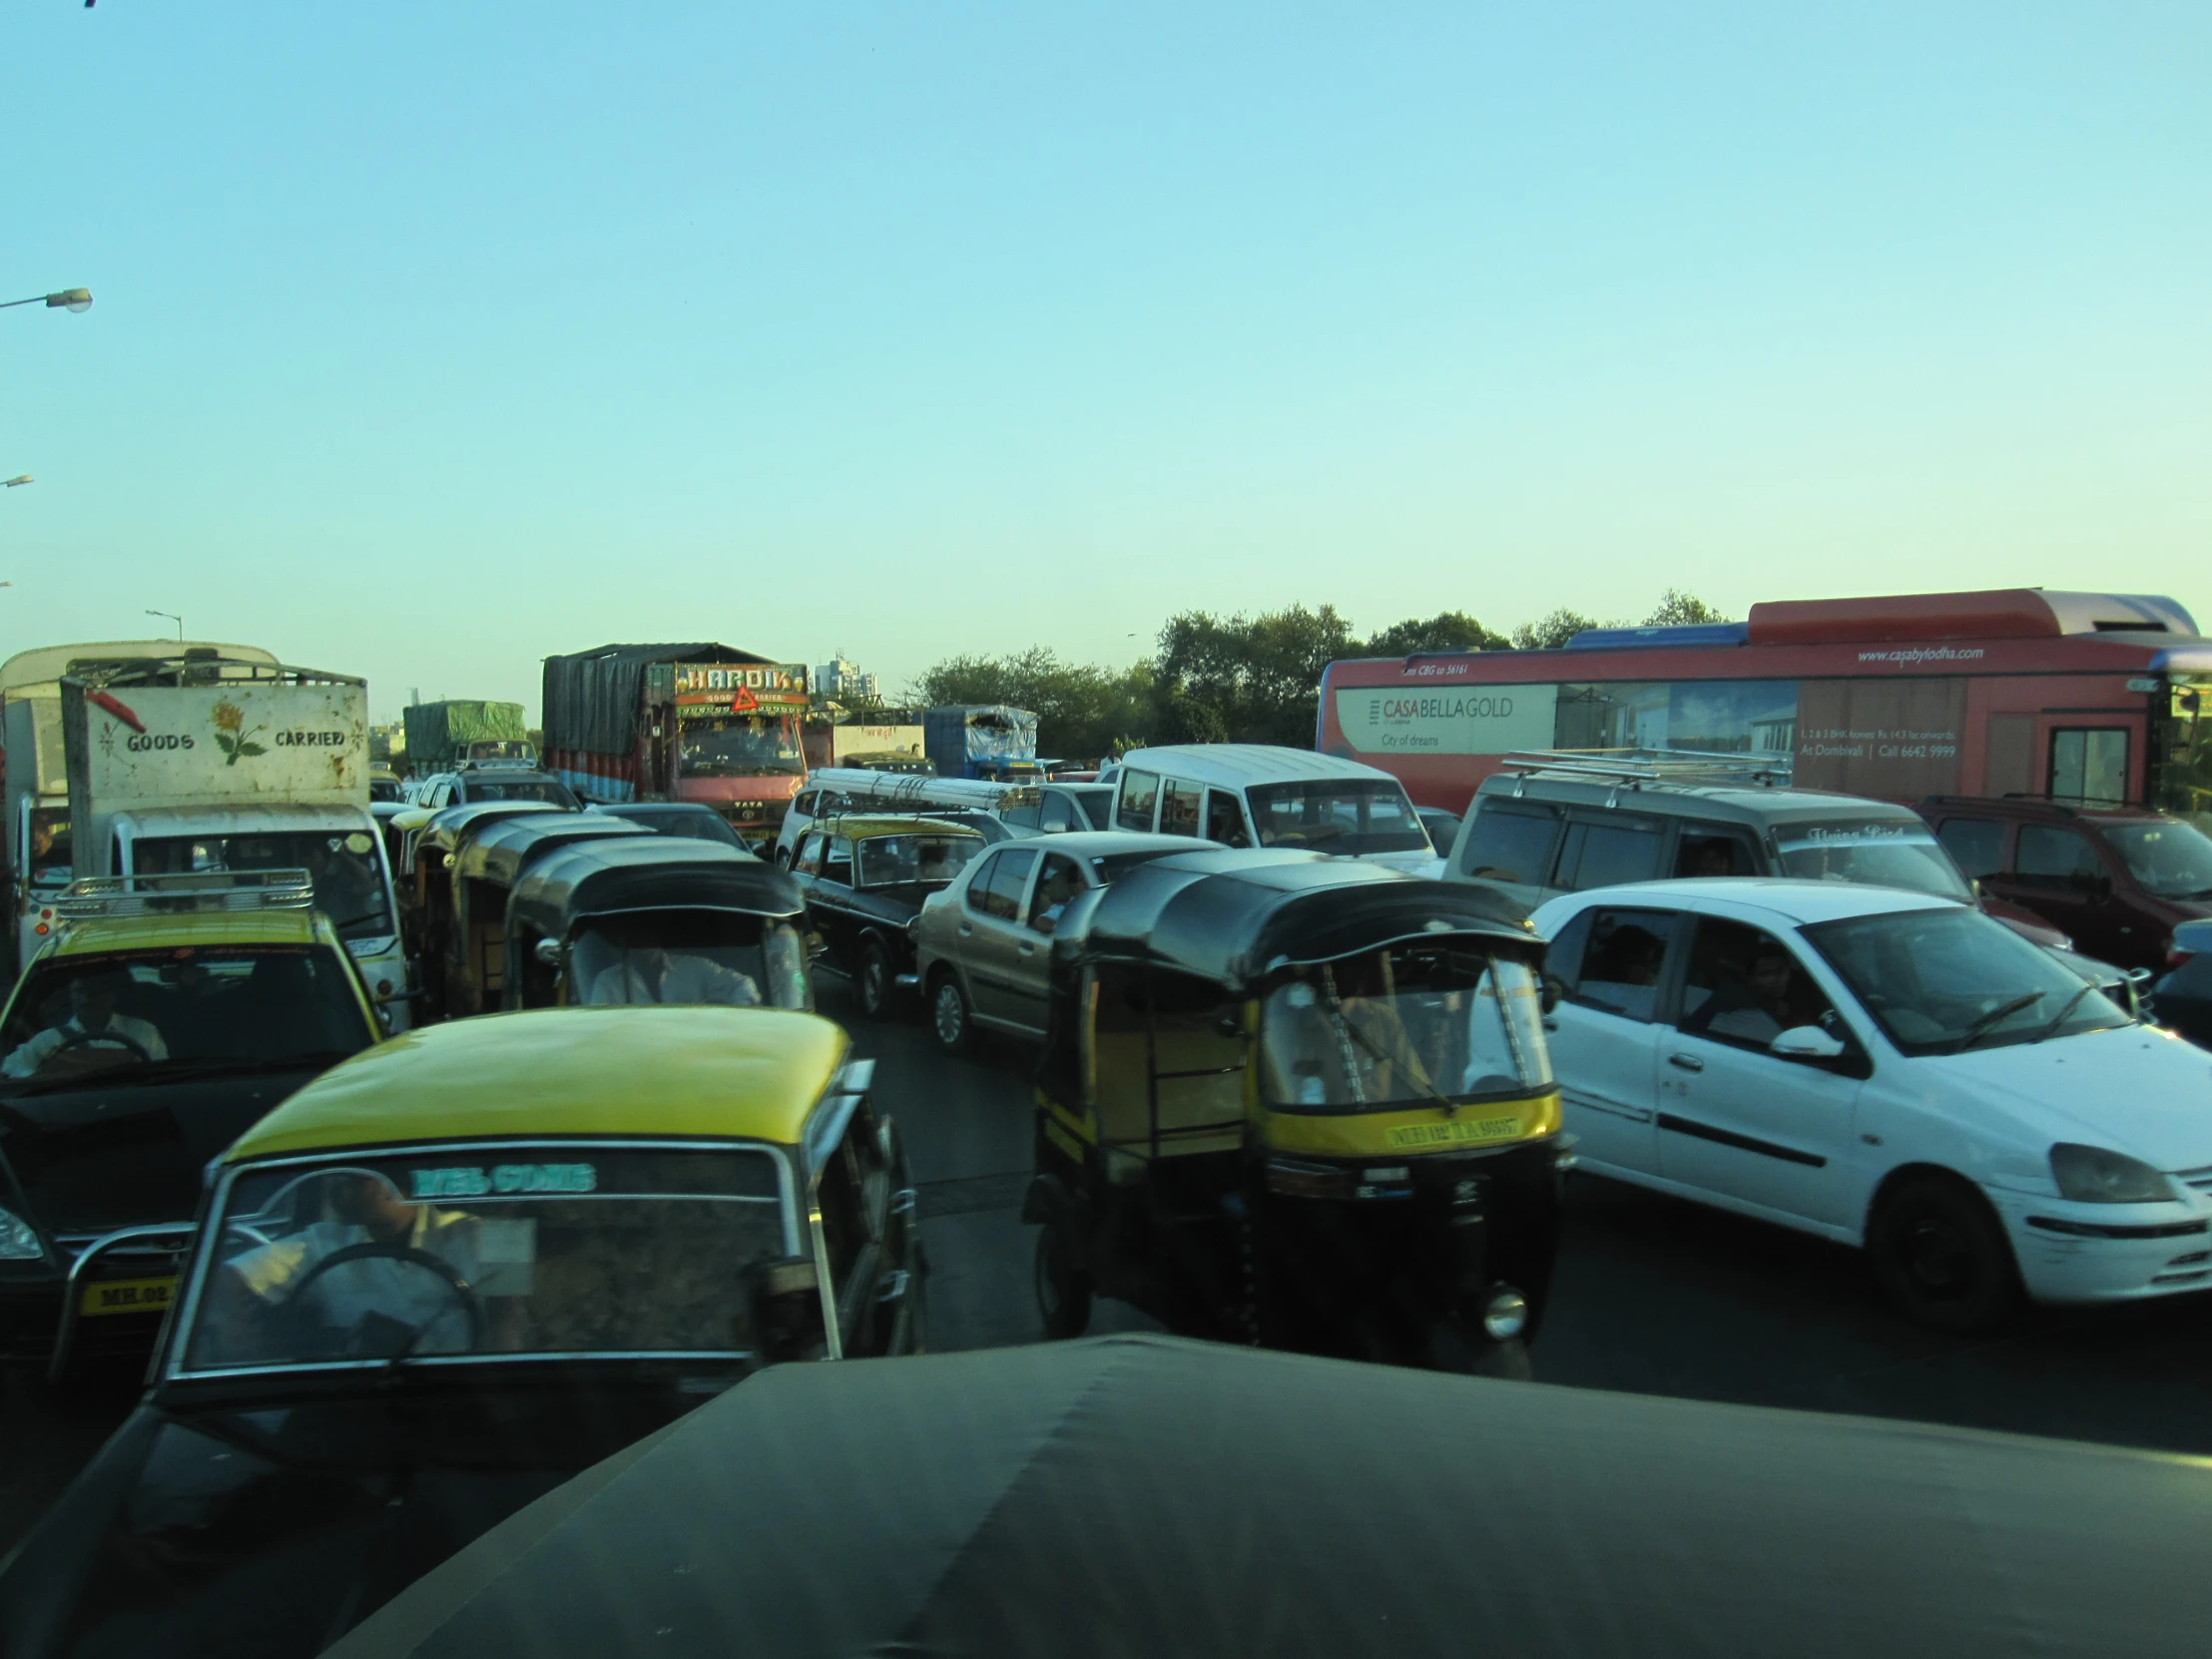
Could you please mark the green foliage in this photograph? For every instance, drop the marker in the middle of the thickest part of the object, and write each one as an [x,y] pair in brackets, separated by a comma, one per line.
[1678,609]
[1446,631]
[1247,680]
[1083,712]
[1548,633]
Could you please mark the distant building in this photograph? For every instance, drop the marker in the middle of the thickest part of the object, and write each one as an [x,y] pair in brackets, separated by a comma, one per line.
[842,680]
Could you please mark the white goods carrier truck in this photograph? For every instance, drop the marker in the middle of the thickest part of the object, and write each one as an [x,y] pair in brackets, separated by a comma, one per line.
[176,769]
[38,843]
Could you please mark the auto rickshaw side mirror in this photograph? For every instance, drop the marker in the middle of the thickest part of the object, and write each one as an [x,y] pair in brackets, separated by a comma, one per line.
[783,1294]
[1548,996]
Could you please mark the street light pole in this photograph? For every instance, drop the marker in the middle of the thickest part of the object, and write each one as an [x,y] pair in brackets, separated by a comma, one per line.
[68,300]
[173,617]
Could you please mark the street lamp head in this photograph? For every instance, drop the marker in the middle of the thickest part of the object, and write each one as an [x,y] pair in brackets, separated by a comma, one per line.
[19,479]
[75,299]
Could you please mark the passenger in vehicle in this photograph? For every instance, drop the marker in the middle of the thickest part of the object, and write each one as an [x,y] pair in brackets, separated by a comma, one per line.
[90,1023]
[652,974]
[371,1305]
[1757,1006]
[1622,974]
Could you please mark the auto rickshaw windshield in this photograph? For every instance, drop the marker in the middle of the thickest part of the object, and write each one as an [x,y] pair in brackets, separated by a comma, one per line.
[689,956]
[1404,1025]
[490,1252]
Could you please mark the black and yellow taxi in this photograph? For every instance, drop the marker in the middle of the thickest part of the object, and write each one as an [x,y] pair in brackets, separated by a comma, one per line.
[165,1017]
[449,1275]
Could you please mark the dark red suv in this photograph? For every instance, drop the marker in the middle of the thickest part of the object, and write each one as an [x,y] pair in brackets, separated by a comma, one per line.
[2116,879]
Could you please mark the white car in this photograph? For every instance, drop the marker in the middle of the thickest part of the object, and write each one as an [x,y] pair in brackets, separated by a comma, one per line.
[1890,1071]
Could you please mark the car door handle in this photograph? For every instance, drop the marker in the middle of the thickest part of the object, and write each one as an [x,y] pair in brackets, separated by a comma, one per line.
[1688,1062]
[1551,1025]
[966,932]
[1027,949]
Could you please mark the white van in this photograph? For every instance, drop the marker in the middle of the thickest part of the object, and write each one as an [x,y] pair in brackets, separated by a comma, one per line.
[1257,794]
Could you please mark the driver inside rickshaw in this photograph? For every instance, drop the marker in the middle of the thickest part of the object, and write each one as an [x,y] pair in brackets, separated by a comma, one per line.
[1403,1024]
[410,1289]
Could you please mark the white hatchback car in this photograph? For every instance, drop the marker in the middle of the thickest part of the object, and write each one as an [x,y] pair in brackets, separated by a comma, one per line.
[1890,1071]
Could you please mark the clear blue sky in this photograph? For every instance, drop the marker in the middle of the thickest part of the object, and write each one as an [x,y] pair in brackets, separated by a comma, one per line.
[432,338]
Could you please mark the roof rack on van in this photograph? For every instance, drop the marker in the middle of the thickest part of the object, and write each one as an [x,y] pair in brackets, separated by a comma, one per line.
[1636,767]
[92,896]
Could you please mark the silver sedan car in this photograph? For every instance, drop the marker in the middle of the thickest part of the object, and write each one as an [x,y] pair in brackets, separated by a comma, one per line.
[985,943]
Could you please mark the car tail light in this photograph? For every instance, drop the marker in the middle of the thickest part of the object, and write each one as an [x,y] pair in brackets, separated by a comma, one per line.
[2175,956]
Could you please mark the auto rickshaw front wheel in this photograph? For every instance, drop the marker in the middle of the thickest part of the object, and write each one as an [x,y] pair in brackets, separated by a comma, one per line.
[1063,1289]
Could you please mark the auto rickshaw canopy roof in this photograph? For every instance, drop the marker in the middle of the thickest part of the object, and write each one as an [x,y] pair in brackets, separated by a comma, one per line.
[646,872]
[693,1072]
[1144,1495]
[450,824]
[1238,916]
[506,847]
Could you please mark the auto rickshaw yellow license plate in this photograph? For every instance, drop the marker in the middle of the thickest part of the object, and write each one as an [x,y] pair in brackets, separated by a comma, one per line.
[1455,1132]
[128,1296]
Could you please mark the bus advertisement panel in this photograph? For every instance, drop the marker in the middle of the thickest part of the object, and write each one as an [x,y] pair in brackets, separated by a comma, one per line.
[2090,698]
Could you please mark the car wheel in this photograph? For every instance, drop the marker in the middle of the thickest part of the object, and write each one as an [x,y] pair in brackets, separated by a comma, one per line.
[949,1016]
[1942,1255]
[1063,1289]
[874,981]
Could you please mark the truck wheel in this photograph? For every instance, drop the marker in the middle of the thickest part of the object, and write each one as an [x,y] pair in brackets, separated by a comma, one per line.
[874,981]
[1941,1256]
[949,1016]
[1063,1289]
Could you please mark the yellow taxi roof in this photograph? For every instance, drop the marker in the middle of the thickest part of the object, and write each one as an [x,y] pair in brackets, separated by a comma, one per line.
[738,1073]
[291,926]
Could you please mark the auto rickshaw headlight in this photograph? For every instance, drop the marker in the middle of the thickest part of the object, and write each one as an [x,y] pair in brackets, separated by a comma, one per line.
[18,1239]
[1506,1314]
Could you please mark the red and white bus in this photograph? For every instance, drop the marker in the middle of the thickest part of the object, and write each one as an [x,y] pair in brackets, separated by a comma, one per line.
[2074,696]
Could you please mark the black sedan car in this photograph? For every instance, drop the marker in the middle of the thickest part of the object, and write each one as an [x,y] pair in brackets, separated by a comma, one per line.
[680,817]
[866,879]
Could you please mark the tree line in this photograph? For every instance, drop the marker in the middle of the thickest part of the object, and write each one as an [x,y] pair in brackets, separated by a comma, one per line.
[1231,679]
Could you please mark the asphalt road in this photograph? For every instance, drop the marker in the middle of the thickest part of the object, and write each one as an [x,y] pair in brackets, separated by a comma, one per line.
[1652,1296]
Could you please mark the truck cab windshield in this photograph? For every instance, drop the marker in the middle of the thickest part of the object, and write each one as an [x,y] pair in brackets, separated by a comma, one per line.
[742,746]
[254,1004]
[349,879]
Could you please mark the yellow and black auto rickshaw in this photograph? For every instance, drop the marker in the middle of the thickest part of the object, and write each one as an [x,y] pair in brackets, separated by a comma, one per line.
[654,919]
[1301,1101]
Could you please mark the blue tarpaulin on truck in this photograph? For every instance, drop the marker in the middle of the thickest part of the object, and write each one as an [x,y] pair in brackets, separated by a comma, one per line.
[967,740]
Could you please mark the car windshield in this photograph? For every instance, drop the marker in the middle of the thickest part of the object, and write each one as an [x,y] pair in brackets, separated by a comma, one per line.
[383,789]
[912,859]
[130,1011]
[700,825]
[689,956]
[1886,853]
[460,1255]
[347,874]
[50,848]
[742,745]
[2166,857]
[1939,981]
[1347,815]
[1408,1024]
[521,789]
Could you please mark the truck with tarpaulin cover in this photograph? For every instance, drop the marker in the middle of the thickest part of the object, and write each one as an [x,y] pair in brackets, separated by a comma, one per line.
[37,784]
[206,765]
[982,740]
[452,730]
[697,721]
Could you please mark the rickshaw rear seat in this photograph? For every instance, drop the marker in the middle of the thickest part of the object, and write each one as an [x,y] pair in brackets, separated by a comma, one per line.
[1211,1097]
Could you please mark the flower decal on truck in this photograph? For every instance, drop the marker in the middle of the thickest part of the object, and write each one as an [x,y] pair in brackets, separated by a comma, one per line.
[231,734]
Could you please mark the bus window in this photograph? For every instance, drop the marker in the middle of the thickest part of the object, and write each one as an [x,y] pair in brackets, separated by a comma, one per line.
[2089,766]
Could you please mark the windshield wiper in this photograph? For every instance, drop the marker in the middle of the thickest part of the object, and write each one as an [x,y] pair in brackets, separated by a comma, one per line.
[1411,1064]
[2073,1003]
[1980,1027]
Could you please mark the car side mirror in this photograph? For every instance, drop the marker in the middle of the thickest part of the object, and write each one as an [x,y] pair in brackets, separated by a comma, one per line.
[784,1294]
[1550,993]
[548,952]
[1806,1042]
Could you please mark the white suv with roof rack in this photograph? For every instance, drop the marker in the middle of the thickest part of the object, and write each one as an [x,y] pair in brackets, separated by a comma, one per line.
[1262,795]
